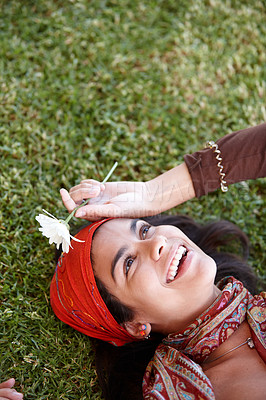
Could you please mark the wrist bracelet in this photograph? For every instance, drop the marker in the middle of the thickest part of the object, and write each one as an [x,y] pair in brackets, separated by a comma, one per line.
[214,146]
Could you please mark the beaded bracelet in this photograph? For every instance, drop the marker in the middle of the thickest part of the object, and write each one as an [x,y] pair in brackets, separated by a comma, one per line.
[214,146]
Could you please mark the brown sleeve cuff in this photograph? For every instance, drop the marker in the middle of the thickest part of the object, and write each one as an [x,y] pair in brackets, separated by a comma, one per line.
[243,157]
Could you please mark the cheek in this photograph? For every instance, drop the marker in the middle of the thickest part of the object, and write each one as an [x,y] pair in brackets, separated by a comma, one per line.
[145,284]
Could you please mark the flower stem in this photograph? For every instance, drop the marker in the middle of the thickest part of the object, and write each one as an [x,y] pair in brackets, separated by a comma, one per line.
[86,202]
[110,172]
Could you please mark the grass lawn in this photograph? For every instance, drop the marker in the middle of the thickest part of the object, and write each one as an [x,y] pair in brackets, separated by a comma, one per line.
[86,83]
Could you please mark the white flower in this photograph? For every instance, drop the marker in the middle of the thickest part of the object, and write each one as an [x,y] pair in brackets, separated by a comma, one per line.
[56,230]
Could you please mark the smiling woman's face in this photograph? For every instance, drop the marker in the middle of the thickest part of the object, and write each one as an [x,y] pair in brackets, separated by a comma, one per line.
[157,271]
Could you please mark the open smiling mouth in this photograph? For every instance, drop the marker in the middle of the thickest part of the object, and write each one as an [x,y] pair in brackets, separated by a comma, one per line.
[176,263]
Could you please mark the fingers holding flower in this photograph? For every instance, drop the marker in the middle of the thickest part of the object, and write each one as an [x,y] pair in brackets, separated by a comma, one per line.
[57,230]
[88,188]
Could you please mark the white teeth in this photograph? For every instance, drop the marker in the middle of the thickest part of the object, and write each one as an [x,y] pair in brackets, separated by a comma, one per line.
[181,250]
[172,268]
[175,262]
[179,254]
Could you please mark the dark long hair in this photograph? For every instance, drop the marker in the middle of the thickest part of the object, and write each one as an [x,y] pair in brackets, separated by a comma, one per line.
[120,369]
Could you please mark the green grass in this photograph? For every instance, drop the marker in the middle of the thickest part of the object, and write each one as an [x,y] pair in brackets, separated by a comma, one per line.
[84,84]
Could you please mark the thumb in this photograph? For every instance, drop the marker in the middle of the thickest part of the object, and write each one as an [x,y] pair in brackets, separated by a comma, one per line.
[67,200]
[94,212]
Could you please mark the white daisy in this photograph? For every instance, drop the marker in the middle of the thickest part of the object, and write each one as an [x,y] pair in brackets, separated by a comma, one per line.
[56,230]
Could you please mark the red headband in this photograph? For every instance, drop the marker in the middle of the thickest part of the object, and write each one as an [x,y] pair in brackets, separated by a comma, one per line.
[75,298]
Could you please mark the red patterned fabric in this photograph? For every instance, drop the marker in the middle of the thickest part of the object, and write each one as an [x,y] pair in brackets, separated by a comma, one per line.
[175,373]
[75,298]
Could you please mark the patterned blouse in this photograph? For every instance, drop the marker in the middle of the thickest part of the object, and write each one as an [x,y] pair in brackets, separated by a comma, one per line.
[175,371]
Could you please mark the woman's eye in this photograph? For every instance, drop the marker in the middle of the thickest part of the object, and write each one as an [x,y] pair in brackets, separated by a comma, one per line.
[144,231]
[128,262]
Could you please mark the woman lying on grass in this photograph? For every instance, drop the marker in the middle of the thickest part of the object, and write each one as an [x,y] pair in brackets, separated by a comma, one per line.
[165,299]
[131,279]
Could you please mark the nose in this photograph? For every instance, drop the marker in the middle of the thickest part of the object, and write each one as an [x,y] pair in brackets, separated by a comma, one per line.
[156,246]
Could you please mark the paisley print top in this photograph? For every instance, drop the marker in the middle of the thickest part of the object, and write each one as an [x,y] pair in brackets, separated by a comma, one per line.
[175,371]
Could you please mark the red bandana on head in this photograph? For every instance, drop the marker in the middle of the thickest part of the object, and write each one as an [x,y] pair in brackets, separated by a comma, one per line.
[75,298]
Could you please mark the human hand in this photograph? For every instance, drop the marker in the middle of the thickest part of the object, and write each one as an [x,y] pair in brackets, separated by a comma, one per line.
[113,199]
[6,391]
[130,199]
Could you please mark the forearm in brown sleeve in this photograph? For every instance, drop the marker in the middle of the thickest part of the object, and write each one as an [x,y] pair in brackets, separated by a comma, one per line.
[243,157]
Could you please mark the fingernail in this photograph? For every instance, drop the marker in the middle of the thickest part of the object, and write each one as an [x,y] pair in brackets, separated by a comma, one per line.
[18,395]
[80,213]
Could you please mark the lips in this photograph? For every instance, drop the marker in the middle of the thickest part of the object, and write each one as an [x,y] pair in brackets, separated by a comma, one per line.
[176,263]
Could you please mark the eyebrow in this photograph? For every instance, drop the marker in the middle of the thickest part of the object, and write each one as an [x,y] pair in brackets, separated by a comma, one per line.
[118,255]
[122,250]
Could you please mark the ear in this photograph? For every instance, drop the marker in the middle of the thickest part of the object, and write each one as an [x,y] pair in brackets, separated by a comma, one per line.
[139,330]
